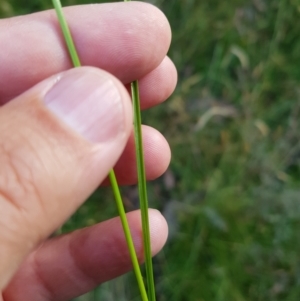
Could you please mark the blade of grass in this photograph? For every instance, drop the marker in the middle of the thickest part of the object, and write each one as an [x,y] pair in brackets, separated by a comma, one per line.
[142,189]
[128,237]
[66,32]
[112,177]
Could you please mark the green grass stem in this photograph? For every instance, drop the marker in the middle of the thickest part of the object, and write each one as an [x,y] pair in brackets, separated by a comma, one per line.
[67,34]
[142,189]
[112,177]
[127,233]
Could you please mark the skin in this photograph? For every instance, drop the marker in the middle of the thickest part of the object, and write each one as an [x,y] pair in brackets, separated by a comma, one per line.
[35,147]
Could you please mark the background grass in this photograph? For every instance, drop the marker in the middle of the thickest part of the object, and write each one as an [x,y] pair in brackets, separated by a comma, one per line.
[231,195]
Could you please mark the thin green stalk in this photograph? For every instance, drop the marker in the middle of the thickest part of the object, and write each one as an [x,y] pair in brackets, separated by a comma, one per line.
[142,189]
[112,177]
[127,233]
[67,34]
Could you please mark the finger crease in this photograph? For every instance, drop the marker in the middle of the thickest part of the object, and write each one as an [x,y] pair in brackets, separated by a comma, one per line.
[46,291]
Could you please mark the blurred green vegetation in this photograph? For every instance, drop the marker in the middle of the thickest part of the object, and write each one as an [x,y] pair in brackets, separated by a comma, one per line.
[232,193]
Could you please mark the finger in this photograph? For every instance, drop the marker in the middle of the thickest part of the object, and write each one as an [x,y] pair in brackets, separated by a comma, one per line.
[157,157]
[136,42]
[71,265]
[158,85]
[57,143]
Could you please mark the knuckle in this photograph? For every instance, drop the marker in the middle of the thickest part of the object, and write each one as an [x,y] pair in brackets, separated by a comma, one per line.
[17,184]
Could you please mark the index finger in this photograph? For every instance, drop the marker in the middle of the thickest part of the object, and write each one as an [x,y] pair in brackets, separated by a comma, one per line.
[126,39]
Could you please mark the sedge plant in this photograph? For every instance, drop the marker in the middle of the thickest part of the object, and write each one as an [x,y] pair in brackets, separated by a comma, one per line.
[140,170]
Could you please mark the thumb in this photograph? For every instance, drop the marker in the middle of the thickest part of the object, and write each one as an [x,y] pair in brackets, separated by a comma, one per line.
[58,141]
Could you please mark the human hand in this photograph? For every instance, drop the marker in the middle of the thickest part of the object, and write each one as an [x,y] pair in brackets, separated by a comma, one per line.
[62,131]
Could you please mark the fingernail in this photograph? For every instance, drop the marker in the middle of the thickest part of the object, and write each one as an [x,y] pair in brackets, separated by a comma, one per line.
[89,102]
